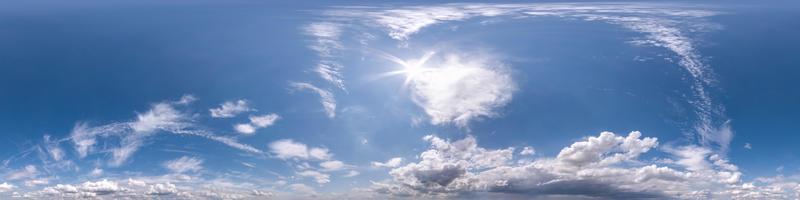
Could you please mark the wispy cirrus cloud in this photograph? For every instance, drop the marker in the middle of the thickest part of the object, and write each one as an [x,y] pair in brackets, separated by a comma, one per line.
[162,117]
[184,164]
[326,97]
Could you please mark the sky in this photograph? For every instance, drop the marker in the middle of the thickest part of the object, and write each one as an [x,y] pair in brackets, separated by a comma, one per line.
[403,100]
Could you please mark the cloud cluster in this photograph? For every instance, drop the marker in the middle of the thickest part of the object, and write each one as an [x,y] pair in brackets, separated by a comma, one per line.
[301,154]
[603,166]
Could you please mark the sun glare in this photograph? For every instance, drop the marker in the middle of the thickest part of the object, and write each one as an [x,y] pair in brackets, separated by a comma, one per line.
[410,68]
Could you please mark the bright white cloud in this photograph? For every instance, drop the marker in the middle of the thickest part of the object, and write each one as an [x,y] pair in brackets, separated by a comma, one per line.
[162,189]
[230,109]
[393,162]
[263,121]
[288,148]
[256,122]
[326,97]
[244,128]
[184,164]
[332,165]
[101,187]
[459,90]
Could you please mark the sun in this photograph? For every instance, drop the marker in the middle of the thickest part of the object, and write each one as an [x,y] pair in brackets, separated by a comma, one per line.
[412,68]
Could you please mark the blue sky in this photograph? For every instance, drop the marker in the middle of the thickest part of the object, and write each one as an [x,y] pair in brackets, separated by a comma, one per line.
[254,100]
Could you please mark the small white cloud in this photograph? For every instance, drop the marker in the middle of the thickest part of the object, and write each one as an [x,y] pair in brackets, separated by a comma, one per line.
[748,146]
[332,165]
[263,121]
[391,163]
[527,151]
[288,148]
[244,128]
[136,183]
[230,109]
[184,164]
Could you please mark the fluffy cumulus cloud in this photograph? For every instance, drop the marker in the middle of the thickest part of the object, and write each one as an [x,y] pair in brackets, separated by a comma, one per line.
[230,109]
[459,90]
[603,166]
